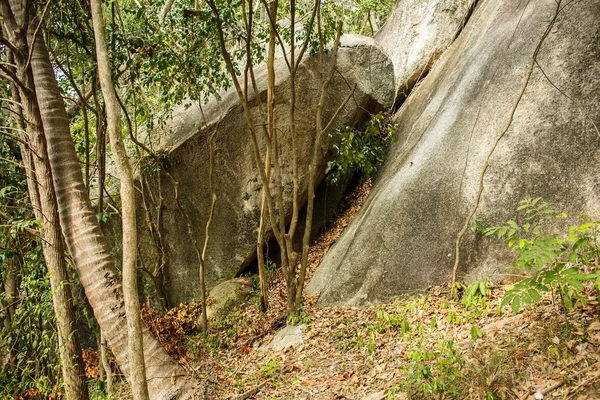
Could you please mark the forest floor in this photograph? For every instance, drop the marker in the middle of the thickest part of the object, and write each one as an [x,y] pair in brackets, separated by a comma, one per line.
[431,346]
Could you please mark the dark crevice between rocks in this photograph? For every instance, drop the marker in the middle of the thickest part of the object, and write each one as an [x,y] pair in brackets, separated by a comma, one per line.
[465,20]
[329,201]
[414,81]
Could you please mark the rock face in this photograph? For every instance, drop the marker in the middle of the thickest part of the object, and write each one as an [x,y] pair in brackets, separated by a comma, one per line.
[227,294]
[234,229]
[403,238]
[415,35]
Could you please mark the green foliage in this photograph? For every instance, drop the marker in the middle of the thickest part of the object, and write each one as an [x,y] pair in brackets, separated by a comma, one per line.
[475,294]
[270,268]
[300,316]
[151,166]
[347,339]
[476,333]
[356,13]
[432,372]
[557,263]
[27,323]
[270,369]
[30,332]
[361,151]
[396,321]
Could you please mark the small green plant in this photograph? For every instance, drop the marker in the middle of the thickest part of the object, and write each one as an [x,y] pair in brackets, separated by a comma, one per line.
[347,340]
[270,268]
[432,372]
[270,369]
[299,317]
[475,294]
[372,345]
[555,262]
[476,333]
[454,318]
[361,151]
[389,321]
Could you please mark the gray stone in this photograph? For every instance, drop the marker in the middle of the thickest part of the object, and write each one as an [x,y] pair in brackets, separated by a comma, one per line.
[232,244]
[376,396]
[287,337]
[415,35]
[226,294]
[403,238]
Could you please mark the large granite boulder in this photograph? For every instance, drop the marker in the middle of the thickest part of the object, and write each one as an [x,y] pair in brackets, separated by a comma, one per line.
[232,244]
[403,238]
[416,34]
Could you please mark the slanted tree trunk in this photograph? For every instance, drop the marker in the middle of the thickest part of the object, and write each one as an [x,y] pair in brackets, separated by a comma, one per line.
[54,253]
[125,174]
[84,238]
[43,198]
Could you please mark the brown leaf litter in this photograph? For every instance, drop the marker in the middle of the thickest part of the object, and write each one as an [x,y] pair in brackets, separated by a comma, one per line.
[360,353]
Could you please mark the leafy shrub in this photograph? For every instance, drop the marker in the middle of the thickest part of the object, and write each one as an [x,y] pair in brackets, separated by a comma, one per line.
[29,333]
[474,296]
[432,372]
[559,264]
[361,151]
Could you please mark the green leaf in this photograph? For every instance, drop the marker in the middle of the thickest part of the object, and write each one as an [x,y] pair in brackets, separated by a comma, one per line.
[476,333]
[578,285]
[568,302]
[516,304]
[534,294]
[482,288]
[572,236]
[508,296]
[502,231]
[571,271]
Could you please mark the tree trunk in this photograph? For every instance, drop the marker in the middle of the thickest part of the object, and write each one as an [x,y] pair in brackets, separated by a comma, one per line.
[113,113]
[43,198]
[85,240]
[54,254]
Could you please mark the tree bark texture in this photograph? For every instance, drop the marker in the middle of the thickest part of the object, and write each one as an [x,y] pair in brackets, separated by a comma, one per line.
[42,195]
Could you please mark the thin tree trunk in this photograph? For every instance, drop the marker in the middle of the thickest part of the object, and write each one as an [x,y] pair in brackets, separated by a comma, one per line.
[125,173]
[312,168]
[373,23]
[105,364]
[270,130]
[213,202]
[167,9]
[10,287]
[100,147]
